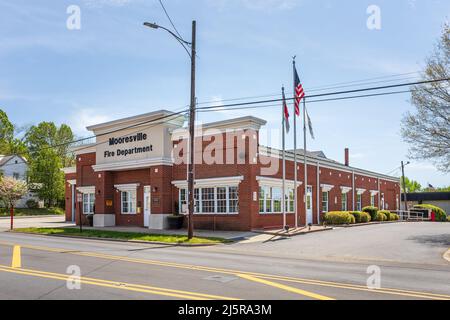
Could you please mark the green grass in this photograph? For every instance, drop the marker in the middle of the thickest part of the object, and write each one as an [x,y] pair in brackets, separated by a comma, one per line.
[20,212]
[104,234]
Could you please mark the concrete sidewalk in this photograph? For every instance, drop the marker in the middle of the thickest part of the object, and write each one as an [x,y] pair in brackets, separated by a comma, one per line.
[229,235]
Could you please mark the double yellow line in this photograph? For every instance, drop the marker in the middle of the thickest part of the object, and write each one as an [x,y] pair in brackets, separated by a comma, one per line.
[253,276]
[116,285]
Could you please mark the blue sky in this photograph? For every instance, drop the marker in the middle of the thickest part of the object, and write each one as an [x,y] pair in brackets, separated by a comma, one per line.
[114,67]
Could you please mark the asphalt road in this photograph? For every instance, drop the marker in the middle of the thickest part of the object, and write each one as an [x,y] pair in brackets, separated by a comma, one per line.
[272,270]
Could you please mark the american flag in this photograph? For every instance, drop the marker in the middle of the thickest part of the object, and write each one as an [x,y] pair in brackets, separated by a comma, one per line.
[286,114]
[299,92]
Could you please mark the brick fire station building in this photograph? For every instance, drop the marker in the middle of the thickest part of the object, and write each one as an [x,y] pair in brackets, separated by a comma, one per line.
[135,173]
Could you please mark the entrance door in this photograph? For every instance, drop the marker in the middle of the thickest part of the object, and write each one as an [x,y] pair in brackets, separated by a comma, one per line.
[147,206]
[309,210]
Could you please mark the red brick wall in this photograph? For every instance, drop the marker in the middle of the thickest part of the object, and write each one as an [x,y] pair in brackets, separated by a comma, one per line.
[68,196]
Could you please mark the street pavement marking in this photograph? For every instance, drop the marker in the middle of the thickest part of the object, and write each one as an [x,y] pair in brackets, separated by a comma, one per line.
[16,258]
[118,285]
[286,288]
[407,293]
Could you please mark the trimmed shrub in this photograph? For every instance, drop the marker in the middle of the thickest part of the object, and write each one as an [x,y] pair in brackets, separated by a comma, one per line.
[394,217]
[387,214]
[339,217]
[441,215]
[357,215]
[448,219]
[365,217]
[372,211]
[381,216]
[32,204]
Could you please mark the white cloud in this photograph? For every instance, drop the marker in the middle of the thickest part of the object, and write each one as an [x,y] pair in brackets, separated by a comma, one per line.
[83,118]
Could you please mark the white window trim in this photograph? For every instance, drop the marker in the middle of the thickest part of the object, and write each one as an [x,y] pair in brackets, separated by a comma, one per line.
[277,183]
[328,201]
[272,200]
[135,202]
[200,204]
[89,203]
[346,201]
[127,187]
[373,193]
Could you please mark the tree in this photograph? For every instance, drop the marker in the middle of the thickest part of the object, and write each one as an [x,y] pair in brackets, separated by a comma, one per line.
[412,186]
[11,191]
[47,135]
[427,130]
[46,176]
[9,144]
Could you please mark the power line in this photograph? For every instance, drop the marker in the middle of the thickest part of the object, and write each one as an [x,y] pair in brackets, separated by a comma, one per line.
[326,94]
[170,20]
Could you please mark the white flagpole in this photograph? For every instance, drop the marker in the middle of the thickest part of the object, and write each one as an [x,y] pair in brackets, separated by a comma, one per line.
[283,204]
[295,155]
[306,161]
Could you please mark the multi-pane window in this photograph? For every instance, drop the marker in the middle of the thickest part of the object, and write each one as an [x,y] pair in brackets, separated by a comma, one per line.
[325,197]
[208,200]
[233,199]
[88,203]
[270,200]
[221,200]
[344,202]
[128,202]
[277,197]
[16,175]
[183,199]
[358,202]
[372,200]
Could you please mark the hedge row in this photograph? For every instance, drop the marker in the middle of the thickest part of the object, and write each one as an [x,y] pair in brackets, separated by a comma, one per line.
[352,217]
[441,215]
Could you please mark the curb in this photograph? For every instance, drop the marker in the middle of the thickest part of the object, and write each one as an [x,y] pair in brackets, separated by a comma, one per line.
[33,217]
[123,241]
[291,235]
[363,224]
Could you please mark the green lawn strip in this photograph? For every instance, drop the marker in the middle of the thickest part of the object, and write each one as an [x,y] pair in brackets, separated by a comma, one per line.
[133,236]
[20,212]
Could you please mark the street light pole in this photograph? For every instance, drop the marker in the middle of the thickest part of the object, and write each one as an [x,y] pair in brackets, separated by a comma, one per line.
[192,136]
[191,167]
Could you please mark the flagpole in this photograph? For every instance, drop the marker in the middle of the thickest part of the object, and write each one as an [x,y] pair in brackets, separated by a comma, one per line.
[295,154]
[283,204]
[306,161]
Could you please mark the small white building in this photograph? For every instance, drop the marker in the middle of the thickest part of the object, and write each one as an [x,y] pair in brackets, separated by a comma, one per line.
[16,167]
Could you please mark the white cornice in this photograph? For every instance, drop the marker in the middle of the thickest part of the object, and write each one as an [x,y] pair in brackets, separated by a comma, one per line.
[213,182]
[85,190]
[72,182]
[360,191]
[127,187]
[326,187]
[278,183]
[133,164]
[346,189]
[374,192]
[69,170]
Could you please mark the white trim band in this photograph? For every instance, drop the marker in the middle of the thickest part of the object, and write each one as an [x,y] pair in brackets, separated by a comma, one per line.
[374,192]
[134,164]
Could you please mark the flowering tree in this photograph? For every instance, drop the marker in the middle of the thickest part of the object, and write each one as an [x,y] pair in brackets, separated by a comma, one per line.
[11,191]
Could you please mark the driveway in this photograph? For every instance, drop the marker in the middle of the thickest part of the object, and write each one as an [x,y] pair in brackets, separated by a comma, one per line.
[35,221]
[417,243]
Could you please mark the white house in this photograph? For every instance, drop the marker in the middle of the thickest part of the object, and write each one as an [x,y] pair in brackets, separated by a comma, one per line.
[16,166]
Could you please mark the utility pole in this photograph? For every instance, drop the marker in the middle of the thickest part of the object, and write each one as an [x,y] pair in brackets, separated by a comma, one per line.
[404,187]
[191,185]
